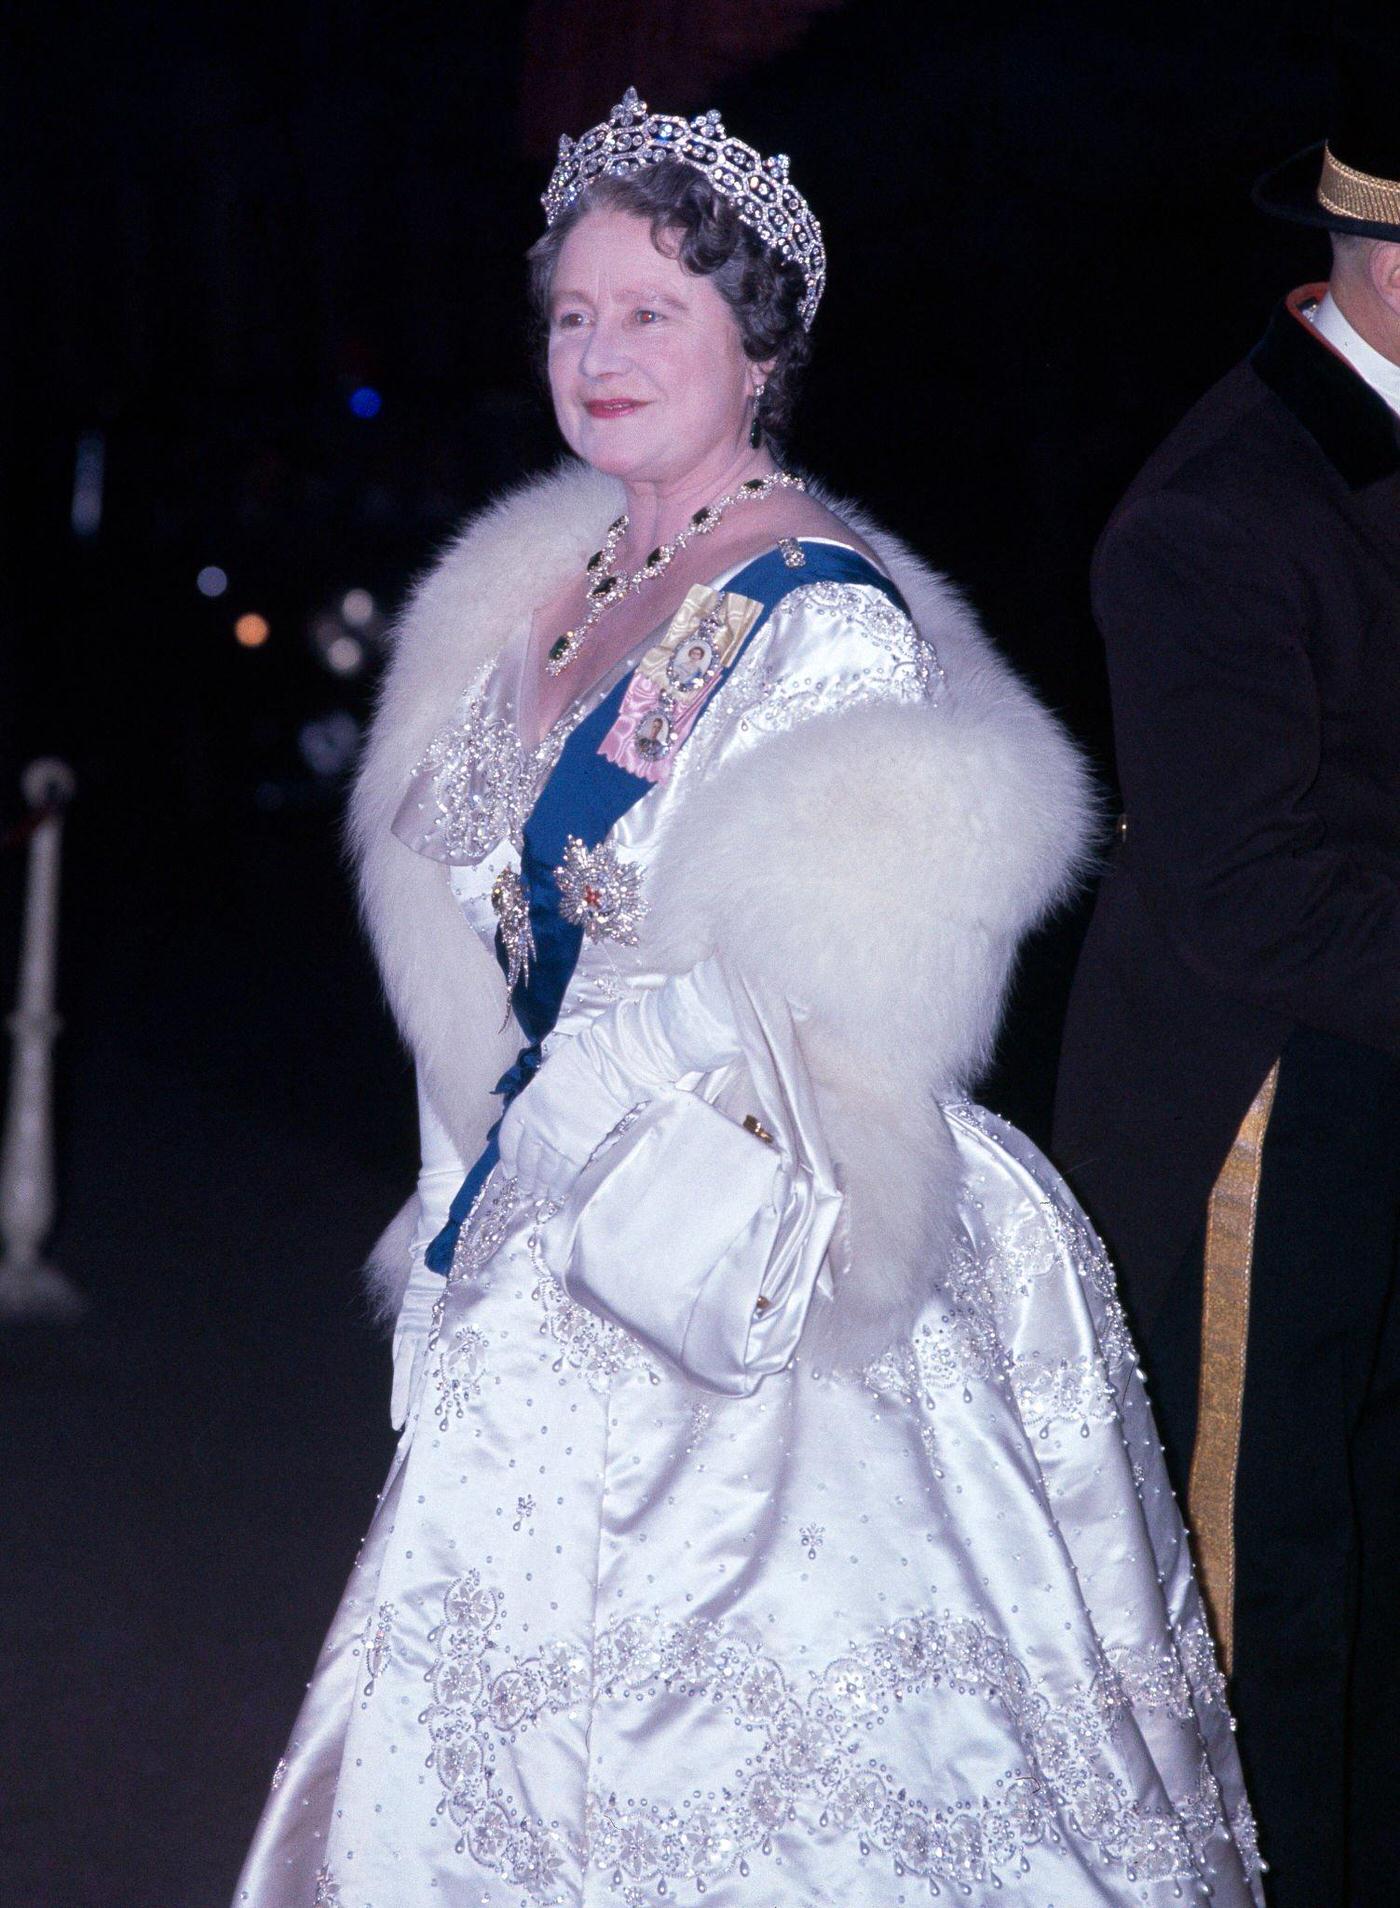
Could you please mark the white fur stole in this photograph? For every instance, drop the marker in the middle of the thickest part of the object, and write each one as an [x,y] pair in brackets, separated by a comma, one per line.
[916,846]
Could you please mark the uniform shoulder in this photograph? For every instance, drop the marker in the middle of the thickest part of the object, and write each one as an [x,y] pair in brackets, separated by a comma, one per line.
[1233,508]
[1228,447]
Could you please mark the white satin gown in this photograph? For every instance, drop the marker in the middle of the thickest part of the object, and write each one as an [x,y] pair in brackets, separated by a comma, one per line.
[924,1631]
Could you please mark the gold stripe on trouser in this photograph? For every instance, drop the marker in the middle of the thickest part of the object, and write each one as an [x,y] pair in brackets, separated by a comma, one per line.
[1229,1259]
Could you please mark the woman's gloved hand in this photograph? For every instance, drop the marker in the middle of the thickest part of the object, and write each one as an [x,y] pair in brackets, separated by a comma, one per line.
[550,1131]
[411,1330]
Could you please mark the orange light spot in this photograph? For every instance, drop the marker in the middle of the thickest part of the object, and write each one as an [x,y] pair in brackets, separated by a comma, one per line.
[251,630]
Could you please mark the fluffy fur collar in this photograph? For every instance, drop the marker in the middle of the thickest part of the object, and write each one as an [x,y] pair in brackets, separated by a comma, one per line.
[916,847]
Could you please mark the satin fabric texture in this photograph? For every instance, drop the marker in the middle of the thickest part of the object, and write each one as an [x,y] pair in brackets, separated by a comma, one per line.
[923,1629]
[850,1640]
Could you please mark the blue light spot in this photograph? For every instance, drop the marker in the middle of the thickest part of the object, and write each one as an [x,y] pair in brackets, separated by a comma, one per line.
[366,401]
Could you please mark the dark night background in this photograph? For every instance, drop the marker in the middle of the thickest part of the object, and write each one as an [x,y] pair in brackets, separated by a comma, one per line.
[222,224]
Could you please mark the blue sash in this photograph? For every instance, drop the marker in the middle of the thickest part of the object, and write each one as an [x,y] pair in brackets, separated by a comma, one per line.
[586,795]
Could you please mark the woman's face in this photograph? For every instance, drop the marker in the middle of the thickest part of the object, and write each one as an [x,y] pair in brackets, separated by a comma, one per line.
[646,367]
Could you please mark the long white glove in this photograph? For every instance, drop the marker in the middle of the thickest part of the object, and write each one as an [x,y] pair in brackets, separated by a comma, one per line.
[589,1082]
[411,1329]
[442,1172]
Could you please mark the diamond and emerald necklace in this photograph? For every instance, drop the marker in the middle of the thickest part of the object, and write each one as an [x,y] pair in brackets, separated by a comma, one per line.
[607,587]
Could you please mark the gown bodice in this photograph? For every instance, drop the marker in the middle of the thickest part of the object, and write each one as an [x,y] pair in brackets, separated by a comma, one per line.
[566,887]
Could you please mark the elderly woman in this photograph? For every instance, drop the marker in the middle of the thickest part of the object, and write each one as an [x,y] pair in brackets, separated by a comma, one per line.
[778,1517]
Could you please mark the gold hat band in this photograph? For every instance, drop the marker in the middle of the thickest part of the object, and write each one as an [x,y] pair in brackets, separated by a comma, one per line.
[1357,195]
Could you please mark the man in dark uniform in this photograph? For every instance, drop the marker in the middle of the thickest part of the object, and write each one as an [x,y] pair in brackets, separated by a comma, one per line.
[1229,1096]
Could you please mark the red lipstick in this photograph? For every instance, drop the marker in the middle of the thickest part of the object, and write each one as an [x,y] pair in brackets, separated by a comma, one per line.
[613,407]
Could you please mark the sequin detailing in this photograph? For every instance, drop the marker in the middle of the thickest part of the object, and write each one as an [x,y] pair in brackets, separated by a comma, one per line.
[766,691]
[1049,1234]
[1072,1390]
[599,892]
[1152,1676]
[587,1343]
[459,1373]
[1201,1812]
[1202,1664]
[811,1759]
[808,1755]
[964,1344]
[1244,1829]
[460,1351]
[468,1703]
[483,1230]
[483,779]
[377,1636]
[908,668]
[511,906]
[327,1894]
[476,783]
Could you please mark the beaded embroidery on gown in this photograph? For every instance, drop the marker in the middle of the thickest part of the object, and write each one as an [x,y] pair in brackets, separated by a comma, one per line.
[925,1629]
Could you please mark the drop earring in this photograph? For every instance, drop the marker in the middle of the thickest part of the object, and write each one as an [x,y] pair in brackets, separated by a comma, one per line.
[756,424]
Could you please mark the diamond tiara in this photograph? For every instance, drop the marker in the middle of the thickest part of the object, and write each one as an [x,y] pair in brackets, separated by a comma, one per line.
[758,189]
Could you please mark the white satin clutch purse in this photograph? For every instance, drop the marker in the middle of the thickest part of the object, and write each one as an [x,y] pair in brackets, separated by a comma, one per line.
[703,1236]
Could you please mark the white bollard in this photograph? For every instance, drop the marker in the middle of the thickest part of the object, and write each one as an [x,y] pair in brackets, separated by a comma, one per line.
[29,1288]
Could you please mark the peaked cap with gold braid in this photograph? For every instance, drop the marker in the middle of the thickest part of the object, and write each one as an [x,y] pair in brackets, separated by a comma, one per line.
[1351,181]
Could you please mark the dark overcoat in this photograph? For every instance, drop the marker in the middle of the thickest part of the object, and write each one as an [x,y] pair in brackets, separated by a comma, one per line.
[1248,592]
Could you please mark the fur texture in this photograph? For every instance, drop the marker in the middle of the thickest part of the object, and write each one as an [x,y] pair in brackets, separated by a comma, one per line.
[917,847]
